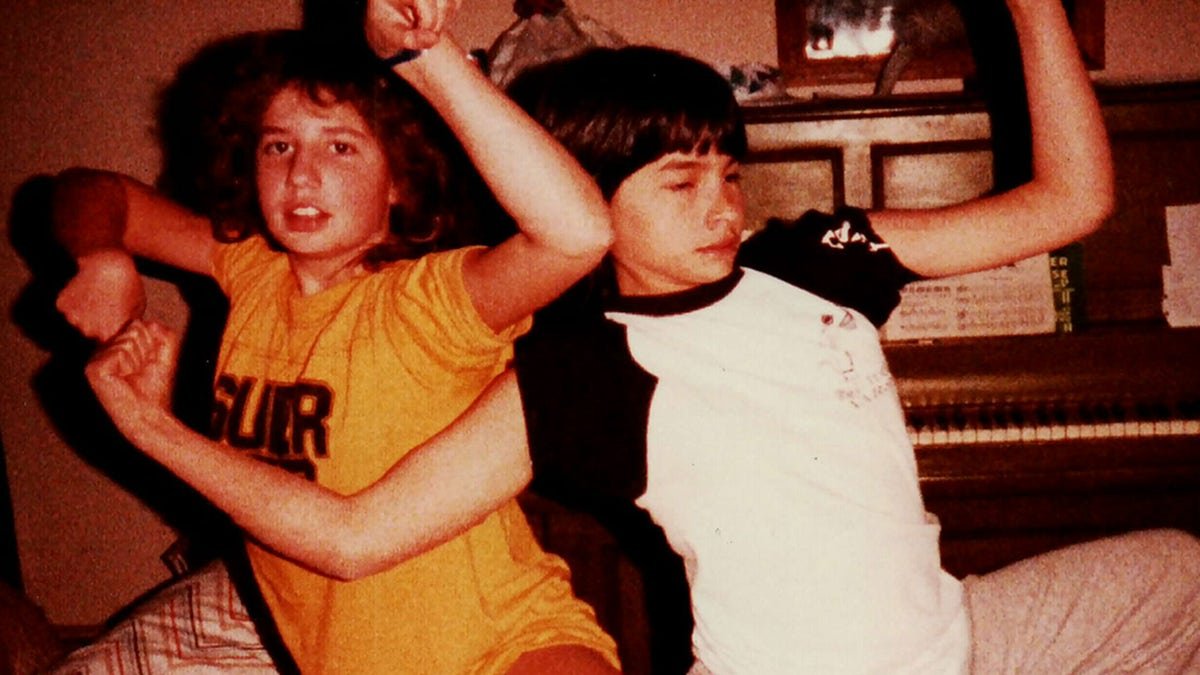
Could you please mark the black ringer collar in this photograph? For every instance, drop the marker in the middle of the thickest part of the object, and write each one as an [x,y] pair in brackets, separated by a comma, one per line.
[679,302]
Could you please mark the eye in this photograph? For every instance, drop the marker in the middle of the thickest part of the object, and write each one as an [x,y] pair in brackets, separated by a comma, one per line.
[341,148]
[733,177]
[275,147]
[681,186]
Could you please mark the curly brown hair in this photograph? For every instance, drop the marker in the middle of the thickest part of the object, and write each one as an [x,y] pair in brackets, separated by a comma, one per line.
[210,119]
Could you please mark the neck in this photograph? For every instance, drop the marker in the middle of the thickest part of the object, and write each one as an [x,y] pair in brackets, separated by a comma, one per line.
[314,276]
[630,283]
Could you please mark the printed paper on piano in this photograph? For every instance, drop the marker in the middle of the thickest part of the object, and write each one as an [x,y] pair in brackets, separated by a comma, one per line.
[1181,279]
[1016,299]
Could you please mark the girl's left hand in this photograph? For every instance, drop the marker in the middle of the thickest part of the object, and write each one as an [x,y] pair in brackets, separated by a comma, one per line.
[134,373]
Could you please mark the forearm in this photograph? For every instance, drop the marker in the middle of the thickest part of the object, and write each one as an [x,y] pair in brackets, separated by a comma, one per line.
[1071,156]
[96,211]
[1071,191]
[554,201]
[300,520]
[438,491]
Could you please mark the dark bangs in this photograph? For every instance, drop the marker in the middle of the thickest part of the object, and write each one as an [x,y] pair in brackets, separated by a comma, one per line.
[617,110]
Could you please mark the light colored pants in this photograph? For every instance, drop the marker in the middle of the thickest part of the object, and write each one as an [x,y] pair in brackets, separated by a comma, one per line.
[1125,604]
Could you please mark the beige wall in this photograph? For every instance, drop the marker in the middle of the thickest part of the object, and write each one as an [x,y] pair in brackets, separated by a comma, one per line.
[78,84]
[79,78]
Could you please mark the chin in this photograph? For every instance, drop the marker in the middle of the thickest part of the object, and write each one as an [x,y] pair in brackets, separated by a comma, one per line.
[720,270]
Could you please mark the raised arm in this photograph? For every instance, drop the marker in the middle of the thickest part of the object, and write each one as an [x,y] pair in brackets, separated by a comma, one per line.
[561,215]
[103,219]
[1071,192]
[439,490]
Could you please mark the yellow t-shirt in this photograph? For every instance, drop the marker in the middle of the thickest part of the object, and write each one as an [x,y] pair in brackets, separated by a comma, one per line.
[338,386]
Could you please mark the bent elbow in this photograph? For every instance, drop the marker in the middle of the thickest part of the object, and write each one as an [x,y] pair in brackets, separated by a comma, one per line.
[1096,208]
[1080,204]
[591,238]
[362,546]
[82,181]
[1100,196]
[350,561]
[345,569]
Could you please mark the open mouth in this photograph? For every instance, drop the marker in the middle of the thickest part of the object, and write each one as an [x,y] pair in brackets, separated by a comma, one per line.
[305,218]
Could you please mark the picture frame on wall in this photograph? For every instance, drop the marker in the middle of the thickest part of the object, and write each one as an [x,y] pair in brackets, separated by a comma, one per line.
[834,42]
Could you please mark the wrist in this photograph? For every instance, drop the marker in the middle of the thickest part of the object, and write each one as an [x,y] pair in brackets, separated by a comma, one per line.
[402,56]
[434,65]
[408,59]
[156,431]
[107,259]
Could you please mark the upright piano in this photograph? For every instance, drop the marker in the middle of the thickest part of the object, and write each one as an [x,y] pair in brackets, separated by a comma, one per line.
[1025,444]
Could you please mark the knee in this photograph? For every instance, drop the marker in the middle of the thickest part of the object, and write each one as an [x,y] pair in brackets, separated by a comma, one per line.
[1175,552]
[1168,542]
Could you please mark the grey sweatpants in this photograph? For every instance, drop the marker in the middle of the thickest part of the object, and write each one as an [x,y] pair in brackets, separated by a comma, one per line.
[1125,604]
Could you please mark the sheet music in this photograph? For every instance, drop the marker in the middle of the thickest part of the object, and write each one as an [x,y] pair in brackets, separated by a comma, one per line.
[1181,279]
[1016,299]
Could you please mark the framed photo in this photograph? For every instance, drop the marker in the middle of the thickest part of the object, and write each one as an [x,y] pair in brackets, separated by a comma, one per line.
[823,42]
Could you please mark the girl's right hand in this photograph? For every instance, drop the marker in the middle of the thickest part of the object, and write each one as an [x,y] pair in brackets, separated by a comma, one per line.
[104,295]
[393,25]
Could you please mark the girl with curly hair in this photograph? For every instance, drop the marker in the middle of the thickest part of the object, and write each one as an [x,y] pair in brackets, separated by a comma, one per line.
[349,341]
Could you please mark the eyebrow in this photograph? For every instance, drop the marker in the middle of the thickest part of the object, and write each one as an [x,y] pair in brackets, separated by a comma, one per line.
[688,164]
[330,131]
[680,165]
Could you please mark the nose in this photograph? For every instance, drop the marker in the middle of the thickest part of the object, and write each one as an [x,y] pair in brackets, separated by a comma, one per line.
[728,208]
[302,170]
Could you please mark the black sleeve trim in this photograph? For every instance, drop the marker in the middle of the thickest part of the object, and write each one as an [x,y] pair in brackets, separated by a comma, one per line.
[838,257]
[586,410]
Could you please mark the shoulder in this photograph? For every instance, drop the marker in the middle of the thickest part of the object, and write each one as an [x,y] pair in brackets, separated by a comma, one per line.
[837,256]
[244,261]
[815,237]
[577,346]
[430,291]
[440,269]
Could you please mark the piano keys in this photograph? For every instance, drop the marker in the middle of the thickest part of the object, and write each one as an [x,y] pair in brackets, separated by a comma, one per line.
[1052,421]
[1045,389]
[1027,443]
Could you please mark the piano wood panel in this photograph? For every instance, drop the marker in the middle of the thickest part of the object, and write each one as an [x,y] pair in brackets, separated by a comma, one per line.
[929,175]
[1123,261]
[786,183]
